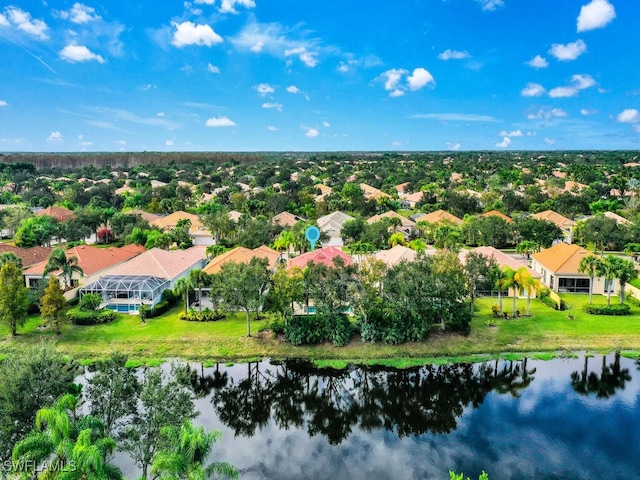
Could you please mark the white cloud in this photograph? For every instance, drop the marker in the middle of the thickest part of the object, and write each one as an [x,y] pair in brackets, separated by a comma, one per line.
[273,105]
[586,112]
[505,143]
[549,141]
[343,67]
[570,51]
[454,146]
[310,59]
[160,114]
[228,6]
[80,14]
[120,142]
[563,92]
[220,121]
[22,20]
[453,55]
[55,137]
[547,114]
[293,89]
[310,131]
[3,103]
[392,79]
[490,5]
[271,128]
[188,33]
[147,87]
[326,124]
[596,14]
[538,62]
[85,143]
[515,133]
[264,89]
[629,115]
[456,117]
[79,53]
[419,79]
[3,21]
[579,81]
[582,81]
[212,68]
[168,143]
[532,90]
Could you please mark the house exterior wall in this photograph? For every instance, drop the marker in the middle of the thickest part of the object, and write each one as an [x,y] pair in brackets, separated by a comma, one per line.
[553,280]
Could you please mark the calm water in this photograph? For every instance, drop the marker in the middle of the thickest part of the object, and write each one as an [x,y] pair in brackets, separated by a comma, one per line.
[560,419]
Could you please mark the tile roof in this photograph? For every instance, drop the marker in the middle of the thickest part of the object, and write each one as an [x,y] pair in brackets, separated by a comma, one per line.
[149,217]
[335,219]
[171,220]
[242,255]
[323,255]
[561,258]
[440,216]
[30,256]
[501,258]
[391,214]
[373,192]
[286,219]
[54,211]
[167,264]
[496,213]
[396,255]
[93,259]
[554,217]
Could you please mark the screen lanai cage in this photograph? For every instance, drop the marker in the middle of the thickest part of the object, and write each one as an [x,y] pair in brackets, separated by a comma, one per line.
[125,293]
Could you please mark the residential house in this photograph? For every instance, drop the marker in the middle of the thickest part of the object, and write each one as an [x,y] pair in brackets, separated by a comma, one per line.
[373,193]
[143,279]
[406,226]
[332,225]
[324,255]
[497,213]
[324,191]
[149,217]
[243,255]
[558,267]
[395,255]
[197,231]
[286,219]
[437,217]
[29,256]
[410,200]
[59,213]
[566,225]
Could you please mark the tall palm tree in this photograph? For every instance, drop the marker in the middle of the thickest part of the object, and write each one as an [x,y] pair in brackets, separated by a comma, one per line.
[58,260]
[592,266]
[396,239]
[497,276]
[284,241]
[623,270]
[182,288]
[610,267]
[528,283]
[511,280]
[199,279]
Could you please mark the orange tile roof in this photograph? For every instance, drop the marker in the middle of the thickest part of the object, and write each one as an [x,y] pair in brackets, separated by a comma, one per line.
[171,220]
[149,217]
[373,192]
[242,255]
[561,258]
[54,211]
[30,256]
[93,259]
[286,219]
[167,264]
[396,255]
[501,258]
[554,217]
[496,213]
[440,216]
[323,255]
[391,214]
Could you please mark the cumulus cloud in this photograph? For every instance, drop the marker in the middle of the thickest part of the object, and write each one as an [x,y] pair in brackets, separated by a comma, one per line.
[538,62]
[310,59]
[453,55]
[160,114]
[293,89]
[220,121]
[3,103]
[455,117]
[578,82]
[188,33]
[490,5]
[549,141]
[532,90]
[272,105]
[80,14]
[453,146]
[343,67]
[264,89]
[596,14]
[22,21]
[79,53]
[567,52]
[419,79]
[271,128]
[212,68]
[55,137]
[326,124]
[547,114]
[228,6]
[310,131]
[168,143]
[515,133]
[505,143]
[629,115]
[586,112]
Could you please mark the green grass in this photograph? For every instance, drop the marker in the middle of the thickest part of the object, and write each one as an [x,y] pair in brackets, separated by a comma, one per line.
[546,334]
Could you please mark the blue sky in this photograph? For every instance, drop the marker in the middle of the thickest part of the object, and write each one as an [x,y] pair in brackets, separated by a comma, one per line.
[274,75]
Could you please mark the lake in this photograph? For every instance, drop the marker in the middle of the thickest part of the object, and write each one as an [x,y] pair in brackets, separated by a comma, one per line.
[576,418]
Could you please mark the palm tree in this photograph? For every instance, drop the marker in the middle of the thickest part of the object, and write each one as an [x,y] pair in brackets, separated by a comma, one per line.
[199,279]
[610,268]
[511,280]
[187,449]
[633,250]
[624,271]
[58,260]
[527,247]
[396,239]
[497,276]
[284,241]
[137,236]
[528,283]
[418,244]
[592,266]
[10,257]
[182,288]
[213,251]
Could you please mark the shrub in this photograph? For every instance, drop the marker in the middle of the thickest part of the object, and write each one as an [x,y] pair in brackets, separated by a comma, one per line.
[90,302]
[93,317]
[607,309]
[633,300]
[339,330]
[305,329]
[276,324]
[160,308]
[169,297]
[207,315]
[144,312]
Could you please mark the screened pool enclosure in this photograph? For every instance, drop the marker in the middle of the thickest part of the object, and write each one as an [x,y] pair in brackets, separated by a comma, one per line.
[125,293]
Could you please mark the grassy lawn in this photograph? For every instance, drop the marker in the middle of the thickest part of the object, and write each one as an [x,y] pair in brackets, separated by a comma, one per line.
[225,340]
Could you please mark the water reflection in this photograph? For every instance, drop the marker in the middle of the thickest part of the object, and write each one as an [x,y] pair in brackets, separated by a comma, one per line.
[332,402]
[611,378]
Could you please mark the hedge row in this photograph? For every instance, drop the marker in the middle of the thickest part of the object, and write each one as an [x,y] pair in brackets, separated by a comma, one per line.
[83,317]
[203,316]
[607,309]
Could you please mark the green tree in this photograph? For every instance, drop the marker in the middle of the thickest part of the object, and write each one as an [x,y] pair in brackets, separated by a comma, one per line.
[460,476]
[138,236]
[592,266]
[476,268]
[246,286]
[511,281]
[182,288]
[34,231]
[10,257]
[527,247]
[633,250]
[184,454]
[162,402]
[14,299]
[53,305]
[609,271]
[543,232]
[527,283]
[58,260]
[396,239]
[602,231]
[624,271]
[199,279]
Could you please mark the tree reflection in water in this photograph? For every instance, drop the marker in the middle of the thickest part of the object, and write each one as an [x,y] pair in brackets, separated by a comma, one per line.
[332,402]
[612,378]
